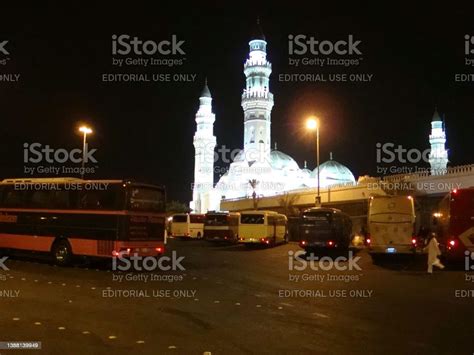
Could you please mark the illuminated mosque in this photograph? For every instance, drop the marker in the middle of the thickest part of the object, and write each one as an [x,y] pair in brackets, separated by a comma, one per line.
[259,170]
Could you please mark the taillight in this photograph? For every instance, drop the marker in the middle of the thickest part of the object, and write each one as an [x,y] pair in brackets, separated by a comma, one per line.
[159,250]
[368,240]
[453,243]
[303,242]
[413,241]
[330,243]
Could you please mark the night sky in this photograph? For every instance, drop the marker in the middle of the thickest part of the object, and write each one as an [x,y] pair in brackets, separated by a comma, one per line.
[145,130]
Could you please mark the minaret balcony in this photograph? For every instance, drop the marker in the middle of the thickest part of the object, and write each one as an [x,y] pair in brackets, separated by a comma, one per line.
[257,94]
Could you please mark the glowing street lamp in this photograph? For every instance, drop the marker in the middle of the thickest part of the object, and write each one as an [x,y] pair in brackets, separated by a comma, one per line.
[312,124]
[85,130]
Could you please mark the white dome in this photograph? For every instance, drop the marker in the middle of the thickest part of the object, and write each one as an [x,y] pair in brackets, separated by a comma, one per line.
[281,161]
[332,173]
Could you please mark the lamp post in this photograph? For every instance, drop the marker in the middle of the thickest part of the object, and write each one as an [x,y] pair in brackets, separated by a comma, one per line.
[313,125]
[85,130]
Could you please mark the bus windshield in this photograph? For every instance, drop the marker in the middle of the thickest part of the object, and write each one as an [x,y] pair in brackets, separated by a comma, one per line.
[252,219]
[216,220]
[146,199]
[180,218]
[321,219]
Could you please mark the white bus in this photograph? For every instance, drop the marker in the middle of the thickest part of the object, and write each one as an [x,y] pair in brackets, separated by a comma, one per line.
[222,227]
[186,225]
[391,223]
[263,227]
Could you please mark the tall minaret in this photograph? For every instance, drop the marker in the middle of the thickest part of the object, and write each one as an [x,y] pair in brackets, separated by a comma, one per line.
[257,100]
[438,154]
[204,144]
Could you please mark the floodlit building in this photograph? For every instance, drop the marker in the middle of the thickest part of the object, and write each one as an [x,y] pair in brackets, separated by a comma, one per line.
[257,168]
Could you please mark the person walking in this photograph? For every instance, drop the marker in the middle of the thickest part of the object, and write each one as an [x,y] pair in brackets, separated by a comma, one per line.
[433,252]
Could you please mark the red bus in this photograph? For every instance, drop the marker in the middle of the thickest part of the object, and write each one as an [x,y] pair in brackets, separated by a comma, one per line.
[66,217]
[454,223]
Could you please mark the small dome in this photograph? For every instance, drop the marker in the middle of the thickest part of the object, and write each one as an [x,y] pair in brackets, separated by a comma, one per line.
[280,161]
[332,173]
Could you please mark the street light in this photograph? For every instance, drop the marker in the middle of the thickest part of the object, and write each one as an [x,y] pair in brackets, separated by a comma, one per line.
[312,124]
[85,130]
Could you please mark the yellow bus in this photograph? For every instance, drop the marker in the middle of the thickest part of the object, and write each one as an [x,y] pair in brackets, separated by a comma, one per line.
[263,227]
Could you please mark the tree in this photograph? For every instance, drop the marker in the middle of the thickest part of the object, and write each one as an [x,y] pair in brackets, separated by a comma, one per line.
[253,184]
[287,203]
[177,207]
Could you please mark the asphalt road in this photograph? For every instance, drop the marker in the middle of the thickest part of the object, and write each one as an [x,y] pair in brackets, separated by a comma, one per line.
[234,300]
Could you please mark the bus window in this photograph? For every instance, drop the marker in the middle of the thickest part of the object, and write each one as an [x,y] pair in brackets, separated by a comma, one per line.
[146,199]
[100,199]
[196,218]
[252,219]
[12,197]
[216,220]
[180,218]
[317,218]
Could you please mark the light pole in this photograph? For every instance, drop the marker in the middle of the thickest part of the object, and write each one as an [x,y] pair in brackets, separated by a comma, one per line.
[313,124]
[85,130]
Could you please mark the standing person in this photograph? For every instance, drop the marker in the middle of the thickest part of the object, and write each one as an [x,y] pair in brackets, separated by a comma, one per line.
[433,253]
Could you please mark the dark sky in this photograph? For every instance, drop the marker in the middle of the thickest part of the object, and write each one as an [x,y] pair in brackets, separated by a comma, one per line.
[145,130]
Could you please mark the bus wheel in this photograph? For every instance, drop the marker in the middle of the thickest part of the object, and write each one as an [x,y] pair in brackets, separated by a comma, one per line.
[61,252]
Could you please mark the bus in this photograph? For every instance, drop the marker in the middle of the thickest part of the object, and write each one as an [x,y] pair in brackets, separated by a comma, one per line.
[222,227]
[321,228]
[188,225]
[454,223]
[391,222]
[67,217]
[263,227]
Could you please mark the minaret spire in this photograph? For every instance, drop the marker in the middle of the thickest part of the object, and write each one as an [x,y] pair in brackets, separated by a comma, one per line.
[204,144]
[438,155]
[257,100]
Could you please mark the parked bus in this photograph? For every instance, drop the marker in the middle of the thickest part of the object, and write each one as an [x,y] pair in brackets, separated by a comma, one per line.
[222,227]
[454,223]
[391,223]
[263,227]
[188,225]
[321,227]
[67,217]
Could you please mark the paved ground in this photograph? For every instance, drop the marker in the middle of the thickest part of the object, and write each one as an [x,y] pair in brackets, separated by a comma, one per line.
[232,300]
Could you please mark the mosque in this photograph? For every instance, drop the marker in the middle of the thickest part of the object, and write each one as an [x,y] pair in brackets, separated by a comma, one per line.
[257,169]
